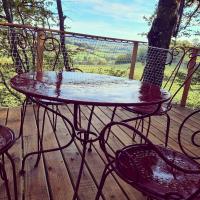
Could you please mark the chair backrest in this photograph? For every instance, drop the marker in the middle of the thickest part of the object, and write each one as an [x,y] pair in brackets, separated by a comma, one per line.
[177,56]
[188,140]
[33,50]
[182,74]
[155,60]
[174,64]
[189,135]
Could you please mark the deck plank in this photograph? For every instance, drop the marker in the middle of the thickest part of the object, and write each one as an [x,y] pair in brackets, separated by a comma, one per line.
[56,174]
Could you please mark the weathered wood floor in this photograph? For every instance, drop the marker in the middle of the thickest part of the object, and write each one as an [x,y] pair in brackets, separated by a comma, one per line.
[56,174]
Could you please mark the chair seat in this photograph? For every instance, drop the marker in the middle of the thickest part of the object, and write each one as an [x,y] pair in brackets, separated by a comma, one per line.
[146,171]
[7,139]
[148,109]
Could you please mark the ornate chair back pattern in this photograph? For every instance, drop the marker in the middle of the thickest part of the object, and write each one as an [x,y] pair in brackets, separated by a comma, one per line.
[173,64]
[27,45]
[185,61]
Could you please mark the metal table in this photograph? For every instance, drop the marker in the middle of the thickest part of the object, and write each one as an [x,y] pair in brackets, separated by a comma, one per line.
[85,89]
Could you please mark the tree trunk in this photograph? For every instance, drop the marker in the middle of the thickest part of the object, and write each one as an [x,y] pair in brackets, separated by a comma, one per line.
[62,35]
[159,36]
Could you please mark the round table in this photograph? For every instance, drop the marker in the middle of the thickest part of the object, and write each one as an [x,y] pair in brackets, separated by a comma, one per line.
[86,89]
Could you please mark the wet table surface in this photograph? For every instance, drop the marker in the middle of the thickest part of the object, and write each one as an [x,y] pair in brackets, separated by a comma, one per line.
[88,89]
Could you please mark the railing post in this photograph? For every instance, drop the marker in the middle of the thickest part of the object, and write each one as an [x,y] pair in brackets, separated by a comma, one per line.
[188,83]
[40,50]
[133,60]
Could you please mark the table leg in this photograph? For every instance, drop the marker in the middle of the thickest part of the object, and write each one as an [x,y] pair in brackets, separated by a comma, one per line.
[76,115]
[40,136]
[85,141]
[81,167]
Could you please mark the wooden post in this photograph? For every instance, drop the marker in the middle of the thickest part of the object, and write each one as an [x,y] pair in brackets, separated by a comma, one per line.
[188,83]
[40,50]
[133,60]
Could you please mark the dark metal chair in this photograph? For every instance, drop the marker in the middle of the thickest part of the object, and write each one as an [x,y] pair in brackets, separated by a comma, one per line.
[156,171]
[54,105]
[51,46]
[180,54]
[7,139]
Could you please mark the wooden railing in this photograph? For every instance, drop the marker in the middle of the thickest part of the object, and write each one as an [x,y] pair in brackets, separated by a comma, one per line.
[195,52]
[40,46]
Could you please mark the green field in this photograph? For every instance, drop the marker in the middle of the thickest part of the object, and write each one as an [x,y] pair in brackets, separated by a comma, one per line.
[122,70]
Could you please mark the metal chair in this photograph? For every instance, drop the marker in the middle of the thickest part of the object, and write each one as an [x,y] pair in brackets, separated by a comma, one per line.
[52,45]
[181,55]
[7,139]
[46,112]
[156,171]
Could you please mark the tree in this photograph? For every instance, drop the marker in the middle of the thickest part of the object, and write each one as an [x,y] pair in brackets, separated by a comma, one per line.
[15,41]
[159,36]
[33,12]
[190,20]
[62,35]
[169,20]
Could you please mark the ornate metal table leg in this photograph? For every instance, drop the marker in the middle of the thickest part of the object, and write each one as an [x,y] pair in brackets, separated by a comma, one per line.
[40,137]
[80,130]
[77,114]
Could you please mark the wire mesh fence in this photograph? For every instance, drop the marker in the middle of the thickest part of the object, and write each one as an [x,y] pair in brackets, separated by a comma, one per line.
[28,49]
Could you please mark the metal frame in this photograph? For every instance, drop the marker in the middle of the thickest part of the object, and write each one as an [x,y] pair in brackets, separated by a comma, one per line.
[85,135]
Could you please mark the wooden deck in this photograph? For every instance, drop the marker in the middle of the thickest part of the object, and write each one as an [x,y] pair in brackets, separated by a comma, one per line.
[56,174]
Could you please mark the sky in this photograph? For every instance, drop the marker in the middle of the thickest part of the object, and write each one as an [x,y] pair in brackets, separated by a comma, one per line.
[111,18]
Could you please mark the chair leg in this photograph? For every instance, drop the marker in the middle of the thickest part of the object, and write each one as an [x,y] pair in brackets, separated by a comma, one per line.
[40,138]
[79,115]
[4,177]
[111,120]
[23,113]
[3,163]
[14,174]
[88,127]
[54,117]
[148,127]
[137,125]
[106,172]
[142,129]
[167,129]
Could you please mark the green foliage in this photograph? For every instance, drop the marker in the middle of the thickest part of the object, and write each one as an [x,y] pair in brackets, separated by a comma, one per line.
[8,97]
[189,24]
[141,54]
[34,12]
[123,58]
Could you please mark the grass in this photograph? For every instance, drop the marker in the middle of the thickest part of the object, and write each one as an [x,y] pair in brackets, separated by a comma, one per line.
[122,70]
